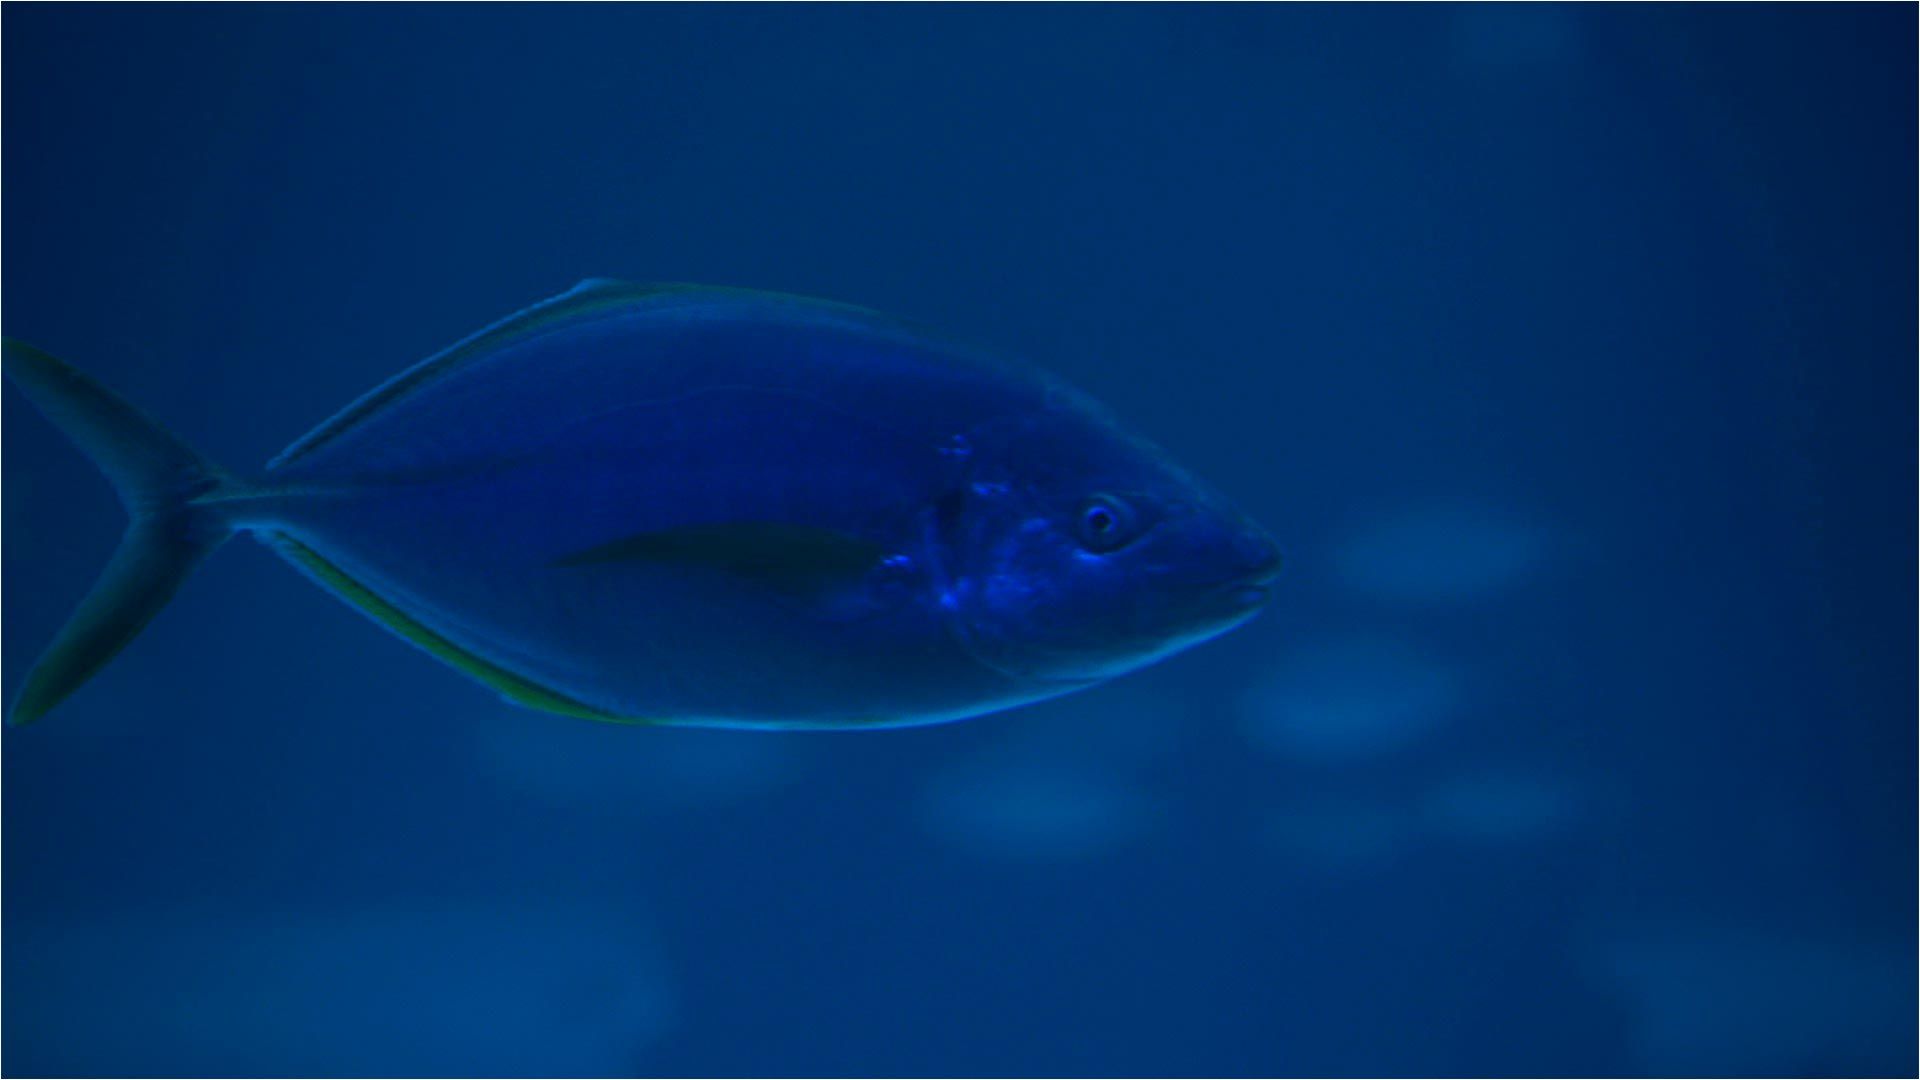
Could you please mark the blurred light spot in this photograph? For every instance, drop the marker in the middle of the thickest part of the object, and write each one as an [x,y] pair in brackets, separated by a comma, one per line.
[1348,700]
[1036,810]
[1495,806]
[1441,552]
[511,990]
[1721,1001]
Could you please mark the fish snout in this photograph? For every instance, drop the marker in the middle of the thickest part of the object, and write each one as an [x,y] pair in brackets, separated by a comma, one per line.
[1255,560]
[1256,555]
[1237,570]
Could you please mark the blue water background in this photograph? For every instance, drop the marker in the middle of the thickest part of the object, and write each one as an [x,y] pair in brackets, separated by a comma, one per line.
[1570,352]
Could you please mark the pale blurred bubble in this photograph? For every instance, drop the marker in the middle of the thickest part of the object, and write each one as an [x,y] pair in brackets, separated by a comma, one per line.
[408,990]
[1501,806]
[580,763]
[1441,551]
[1348,700]
[1009,806]
[1711,1000]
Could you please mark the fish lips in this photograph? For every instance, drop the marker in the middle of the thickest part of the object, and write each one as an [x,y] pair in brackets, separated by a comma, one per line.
[1242,595]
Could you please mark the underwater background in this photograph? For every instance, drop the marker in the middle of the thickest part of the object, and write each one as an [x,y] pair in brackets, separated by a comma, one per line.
[1569,352]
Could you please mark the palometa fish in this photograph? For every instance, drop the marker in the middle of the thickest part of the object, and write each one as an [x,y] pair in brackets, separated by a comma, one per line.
[685,505]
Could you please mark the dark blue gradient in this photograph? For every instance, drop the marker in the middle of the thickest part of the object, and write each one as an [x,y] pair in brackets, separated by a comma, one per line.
[1569,353]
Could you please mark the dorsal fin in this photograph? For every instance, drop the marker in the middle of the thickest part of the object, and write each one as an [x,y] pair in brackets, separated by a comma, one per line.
[588,296]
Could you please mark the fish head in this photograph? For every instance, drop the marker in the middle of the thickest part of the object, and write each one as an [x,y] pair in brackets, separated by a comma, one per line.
[1078,552]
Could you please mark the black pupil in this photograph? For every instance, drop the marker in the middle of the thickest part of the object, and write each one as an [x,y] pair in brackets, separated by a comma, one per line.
[1100,519]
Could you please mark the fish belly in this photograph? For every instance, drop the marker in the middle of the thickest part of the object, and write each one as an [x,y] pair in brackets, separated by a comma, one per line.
[639,641]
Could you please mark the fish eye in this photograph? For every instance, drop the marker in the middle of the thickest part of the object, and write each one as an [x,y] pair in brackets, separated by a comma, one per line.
[1105,523]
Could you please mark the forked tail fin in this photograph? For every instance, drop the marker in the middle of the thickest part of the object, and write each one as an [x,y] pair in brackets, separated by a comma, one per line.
[160,481]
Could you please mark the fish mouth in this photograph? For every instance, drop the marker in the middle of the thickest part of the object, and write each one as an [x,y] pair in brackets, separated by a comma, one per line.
[1234,600]
[1249,595]
[1253,587]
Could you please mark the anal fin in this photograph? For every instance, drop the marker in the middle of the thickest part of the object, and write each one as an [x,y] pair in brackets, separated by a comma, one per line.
[515,688]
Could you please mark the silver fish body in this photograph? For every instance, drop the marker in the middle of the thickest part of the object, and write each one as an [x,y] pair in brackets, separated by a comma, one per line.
[688,505]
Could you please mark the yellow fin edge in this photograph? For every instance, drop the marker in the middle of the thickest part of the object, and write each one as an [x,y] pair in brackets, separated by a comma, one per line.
[514,688]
